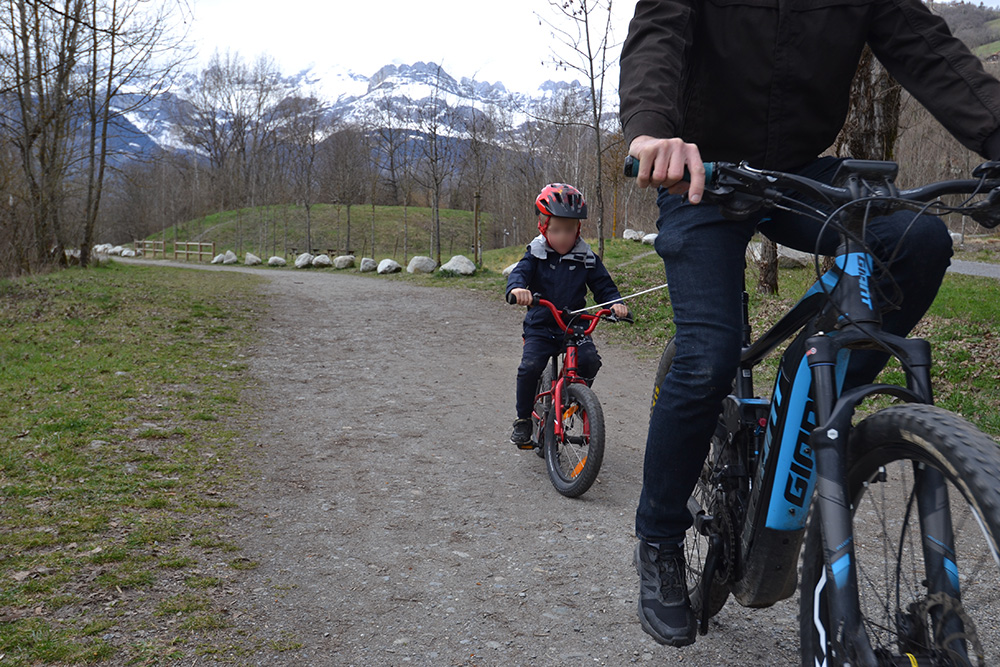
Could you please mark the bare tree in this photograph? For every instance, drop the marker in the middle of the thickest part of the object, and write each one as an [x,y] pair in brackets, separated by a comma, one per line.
[584,30]
[131,48]
[302,132]
[437,154]
[46,47]
[344,169]
[482,135]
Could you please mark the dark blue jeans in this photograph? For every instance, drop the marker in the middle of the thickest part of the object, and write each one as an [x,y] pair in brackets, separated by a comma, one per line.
[539,347]
[703,256]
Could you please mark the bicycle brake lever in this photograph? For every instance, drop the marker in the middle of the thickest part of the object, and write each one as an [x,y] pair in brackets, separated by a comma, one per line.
[987,211]
[987,170]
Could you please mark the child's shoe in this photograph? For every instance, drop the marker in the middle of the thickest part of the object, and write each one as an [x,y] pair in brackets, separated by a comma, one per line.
[521,435]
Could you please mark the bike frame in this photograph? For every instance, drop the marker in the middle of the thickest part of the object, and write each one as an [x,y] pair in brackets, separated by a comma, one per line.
[575,331]
[795,446]
[803,449]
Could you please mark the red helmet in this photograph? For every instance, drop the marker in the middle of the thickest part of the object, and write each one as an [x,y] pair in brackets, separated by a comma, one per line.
[562,201]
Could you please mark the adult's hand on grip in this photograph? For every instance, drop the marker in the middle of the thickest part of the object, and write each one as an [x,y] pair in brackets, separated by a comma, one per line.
[662,163]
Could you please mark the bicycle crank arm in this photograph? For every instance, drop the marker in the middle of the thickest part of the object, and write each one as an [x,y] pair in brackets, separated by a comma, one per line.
[707,577]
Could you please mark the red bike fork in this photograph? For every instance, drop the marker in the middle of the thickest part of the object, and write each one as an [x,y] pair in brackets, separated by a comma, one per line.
[568,375]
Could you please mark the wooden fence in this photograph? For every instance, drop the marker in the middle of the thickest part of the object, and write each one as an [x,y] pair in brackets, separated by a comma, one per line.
[150,248]
[194,249]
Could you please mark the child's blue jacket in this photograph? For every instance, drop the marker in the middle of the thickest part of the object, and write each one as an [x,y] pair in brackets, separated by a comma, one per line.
[562,279]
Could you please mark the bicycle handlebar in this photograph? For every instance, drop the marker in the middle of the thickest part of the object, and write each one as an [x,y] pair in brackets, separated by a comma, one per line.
[741,189]
[537,300]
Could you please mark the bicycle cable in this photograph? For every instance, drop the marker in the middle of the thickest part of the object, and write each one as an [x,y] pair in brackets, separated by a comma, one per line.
[619,300]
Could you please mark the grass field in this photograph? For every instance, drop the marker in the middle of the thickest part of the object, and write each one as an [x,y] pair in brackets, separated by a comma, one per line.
[119,417]
[119,390]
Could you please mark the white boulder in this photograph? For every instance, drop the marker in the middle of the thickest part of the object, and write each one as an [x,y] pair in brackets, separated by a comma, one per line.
[127,252]
[388,266]
[218,258]
[230,258]
[506,272]
[276,261]
[649,239]
[343,261]
[632,235]
[367,264]
[788,258]
[303,261]
[251,259]
[116,250]
[794,259]
[322,261]
[460,264]
[957,239]
[421,264]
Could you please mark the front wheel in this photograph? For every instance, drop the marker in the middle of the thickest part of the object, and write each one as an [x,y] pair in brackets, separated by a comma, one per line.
[915,474]
[574,459]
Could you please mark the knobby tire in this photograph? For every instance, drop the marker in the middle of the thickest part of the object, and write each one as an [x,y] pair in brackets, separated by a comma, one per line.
[573,466]
[900,616]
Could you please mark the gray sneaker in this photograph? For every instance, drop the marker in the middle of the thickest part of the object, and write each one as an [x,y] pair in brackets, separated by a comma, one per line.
[664,605]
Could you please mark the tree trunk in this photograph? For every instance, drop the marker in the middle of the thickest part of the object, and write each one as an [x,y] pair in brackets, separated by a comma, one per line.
[767,280]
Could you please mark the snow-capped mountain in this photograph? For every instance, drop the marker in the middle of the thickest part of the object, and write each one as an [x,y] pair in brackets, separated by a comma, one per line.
[407,91]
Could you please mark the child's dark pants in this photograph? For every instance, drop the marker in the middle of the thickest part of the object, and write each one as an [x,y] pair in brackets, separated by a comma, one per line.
[538,349]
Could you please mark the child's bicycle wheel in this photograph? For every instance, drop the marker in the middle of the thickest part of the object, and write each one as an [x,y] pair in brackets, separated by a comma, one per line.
[574,459]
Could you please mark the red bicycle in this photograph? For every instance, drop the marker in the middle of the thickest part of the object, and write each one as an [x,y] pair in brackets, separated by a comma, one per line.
[571,437]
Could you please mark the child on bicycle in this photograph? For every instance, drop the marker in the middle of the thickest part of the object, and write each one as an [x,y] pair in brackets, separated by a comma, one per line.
[560,266]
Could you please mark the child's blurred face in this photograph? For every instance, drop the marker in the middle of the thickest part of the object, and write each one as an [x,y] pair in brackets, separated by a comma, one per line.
[561,234]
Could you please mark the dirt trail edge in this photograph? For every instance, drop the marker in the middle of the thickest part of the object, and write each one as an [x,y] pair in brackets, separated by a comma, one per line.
[395,524]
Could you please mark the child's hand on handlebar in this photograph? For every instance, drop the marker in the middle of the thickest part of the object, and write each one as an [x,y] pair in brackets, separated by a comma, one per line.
[522,296]
[619,309]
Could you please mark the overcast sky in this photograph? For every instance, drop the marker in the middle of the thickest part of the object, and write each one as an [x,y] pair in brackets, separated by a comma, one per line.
[491,41]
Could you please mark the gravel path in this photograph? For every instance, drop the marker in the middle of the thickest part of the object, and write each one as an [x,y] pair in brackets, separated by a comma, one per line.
[393,522]
[395,525]
[975,268]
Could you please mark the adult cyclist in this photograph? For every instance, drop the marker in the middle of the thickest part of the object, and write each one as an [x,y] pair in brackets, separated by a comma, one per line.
[766,81]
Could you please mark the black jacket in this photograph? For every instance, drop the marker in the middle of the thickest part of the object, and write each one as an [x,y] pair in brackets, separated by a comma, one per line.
[561,279]
[768,81]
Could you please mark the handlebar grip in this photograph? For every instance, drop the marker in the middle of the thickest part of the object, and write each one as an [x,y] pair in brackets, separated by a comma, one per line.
[512,300]
[632,170]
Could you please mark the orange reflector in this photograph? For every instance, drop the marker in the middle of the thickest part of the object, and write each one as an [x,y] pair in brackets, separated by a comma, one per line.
[579,467]
[570,411]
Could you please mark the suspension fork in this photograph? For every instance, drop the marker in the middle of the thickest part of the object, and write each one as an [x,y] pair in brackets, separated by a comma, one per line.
[829,442]
[849,640]
[936,530]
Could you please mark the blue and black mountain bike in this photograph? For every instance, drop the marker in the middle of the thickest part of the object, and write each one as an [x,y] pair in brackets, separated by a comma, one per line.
[898,512]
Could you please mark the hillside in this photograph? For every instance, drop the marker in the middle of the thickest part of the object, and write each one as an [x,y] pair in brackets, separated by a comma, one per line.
[281,230]
[974,24]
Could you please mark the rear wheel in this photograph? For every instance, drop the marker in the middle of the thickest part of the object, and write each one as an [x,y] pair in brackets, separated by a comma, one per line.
[574,459]
[922,603]
[542,407]
[666,361]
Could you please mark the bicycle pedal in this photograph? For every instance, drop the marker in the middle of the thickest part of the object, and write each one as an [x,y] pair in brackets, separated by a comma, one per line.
[527,446]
